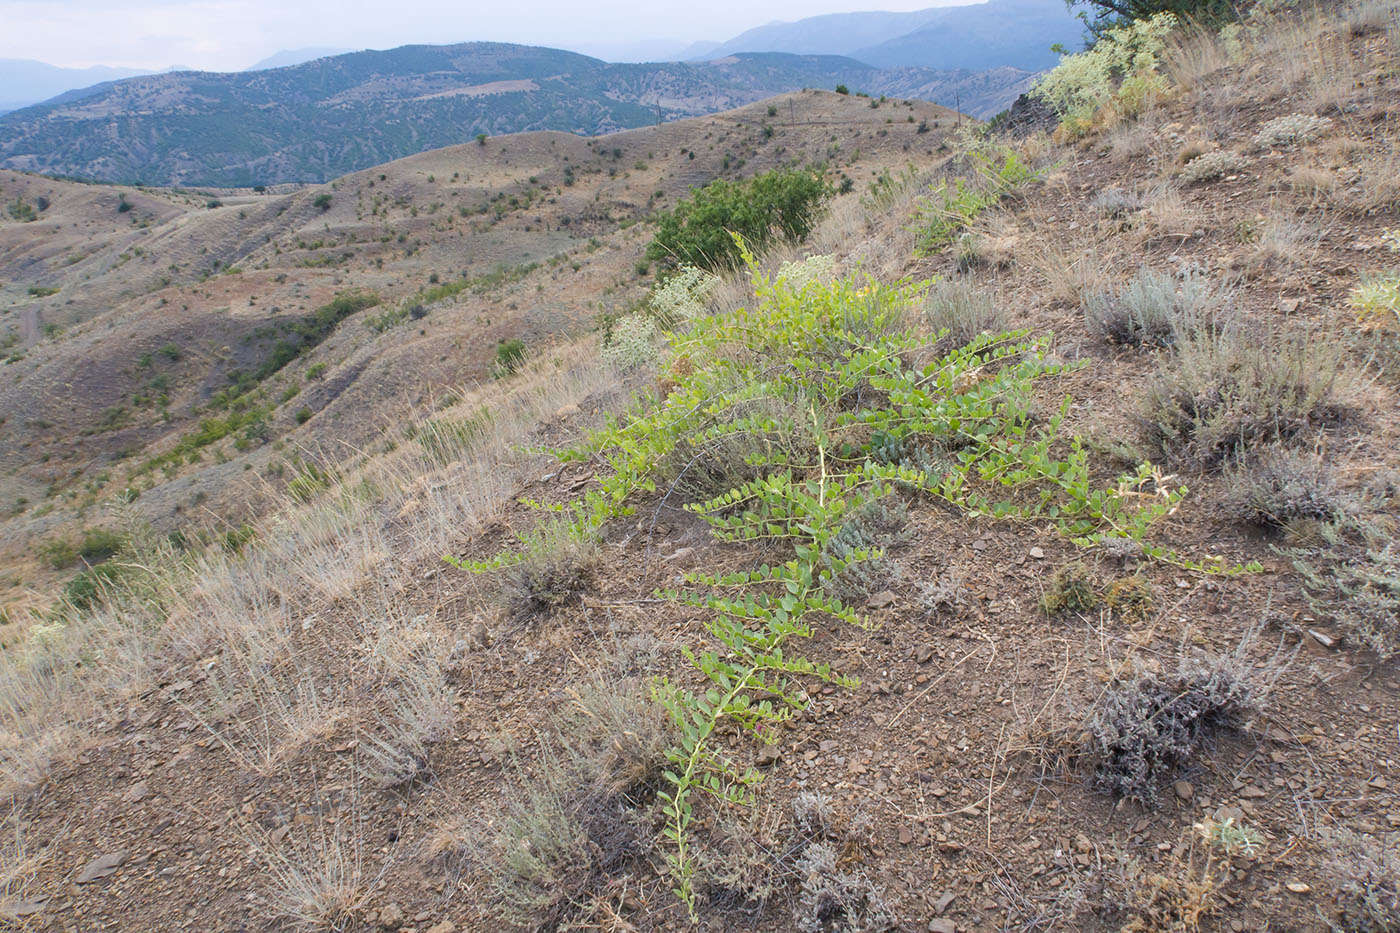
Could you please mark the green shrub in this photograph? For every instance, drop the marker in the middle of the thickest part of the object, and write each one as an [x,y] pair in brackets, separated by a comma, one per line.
[57,553]
[509,355]
[323,201]
[93,585]
[814,395]
[23,211]
[303,415]
[99,544]
[1102,17]
[779,205]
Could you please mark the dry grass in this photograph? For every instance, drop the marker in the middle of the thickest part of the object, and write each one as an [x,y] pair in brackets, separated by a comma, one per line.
[316,880]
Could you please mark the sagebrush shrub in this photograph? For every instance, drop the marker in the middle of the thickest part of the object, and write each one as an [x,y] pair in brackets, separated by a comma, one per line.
[1279,486]
[965,311]
[1366,870]
[584,815]
[1227,390]
[873,528]
[1142,730]
[1288,131]
[1211,166]
[1115,202]
[1155,307]
[1358,587]
[549,575]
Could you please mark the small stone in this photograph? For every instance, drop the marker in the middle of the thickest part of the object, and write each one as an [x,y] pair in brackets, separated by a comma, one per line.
[768,756]
[1253,792]
[1298,887]
[391,917]
[1184,790]
[880,600]
[1037,553]
[980,544]
[137,792]
[17,910]
[939,925]
[906,835]
[923,654]
[1378,783]
[447,926]
[942,904]
[100,867]
[1326,641]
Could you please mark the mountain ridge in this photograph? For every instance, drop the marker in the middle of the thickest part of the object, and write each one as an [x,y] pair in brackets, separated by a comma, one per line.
[311,122]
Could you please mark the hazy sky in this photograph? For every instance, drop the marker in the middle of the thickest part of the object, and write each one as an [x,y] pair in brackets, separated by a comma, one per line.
[232,34]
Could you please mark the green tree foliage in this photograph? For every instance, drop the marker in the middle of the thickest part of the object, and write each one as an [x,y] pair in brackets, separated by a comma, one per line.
[779,205]
[1101,15]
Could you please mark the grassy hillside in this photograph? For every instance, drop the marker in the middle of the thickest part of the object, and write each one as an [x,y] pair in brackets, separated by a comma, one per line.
[164,348]
[323,119]
[1015,553]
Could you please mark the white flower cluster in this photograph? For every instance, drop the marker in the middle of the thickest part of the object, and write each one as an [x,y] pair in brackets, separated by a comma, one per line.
[1083,83]
[682,296]
[633,342]
[803,272]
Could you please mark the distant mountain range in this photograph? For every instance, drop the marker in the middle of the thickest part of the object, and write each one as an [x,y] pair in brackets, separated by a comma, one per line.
[24,82]
[976,36]
[288,57]
[318,120]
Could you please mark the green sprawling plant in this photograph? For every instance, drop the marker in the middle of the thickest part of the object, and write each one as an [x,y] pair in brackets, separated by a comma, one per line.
[837,400]
[1119,71]
[949,208]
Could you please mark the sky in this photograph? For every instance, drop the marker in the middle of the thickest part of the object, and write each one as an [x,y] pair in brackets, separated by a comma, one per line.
[229,35]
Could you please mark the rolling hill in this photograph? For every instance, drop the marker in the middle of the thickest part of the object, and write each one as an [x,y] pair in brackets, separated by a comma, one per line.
[129,317]
[318,120]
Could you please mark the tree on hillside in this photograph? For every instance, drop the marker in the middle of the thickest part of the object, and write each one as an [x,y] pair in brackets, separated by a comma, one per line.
[1099,15]
[779,205]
